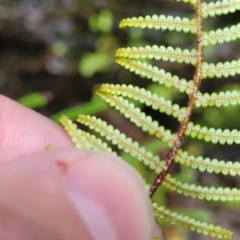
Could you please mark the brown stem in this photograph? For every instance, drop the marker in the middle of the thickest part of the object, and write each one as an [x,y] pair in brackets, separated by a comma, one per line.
[197,79]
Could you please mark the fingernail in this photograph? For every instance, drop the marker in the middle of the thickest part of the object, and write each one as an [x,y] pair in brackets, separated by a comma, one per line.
[93,213]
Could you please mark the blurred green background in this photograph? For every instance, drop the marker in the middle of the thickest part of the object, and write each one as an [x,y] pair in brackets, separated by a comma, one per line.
[63,49]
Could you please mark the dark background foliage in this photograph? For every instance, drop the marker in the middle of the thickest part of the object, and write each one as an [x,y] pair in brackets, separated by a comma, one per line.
[63,48]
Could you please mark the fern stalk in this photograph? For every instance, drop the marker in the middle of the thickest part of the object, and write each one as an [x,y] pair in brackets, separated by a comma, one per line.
[197,79]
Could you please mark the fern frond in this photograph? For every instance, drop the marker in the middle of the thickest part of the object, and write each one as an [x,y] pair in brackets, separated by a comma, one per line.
[222,35]
[139,118]
[219,70]
[210,70]
[200,192]
[120,97]
[182,24]
[160,103]
[157,75]
[157,53]
[145,122]
[154,163]
[74,133]
[144,96]
[122,142]
[161,22]
[190,223]
[88,141]
[213,135]
[160,212]
[220,7]
[83,139]
[207,164]
[218,99]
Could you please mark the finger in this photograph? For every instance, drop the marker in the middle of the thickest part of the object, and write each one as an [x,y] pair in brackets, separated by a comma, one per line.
[73,194]
[24,131]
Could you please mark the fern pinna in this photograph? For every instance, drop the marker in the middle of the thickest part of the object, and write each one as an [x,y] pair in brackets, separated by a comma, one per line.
[119,97]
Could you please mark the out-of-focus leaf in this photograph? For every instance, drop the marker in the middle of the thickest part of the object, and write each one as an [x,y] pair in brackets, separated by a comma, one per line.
[94,62]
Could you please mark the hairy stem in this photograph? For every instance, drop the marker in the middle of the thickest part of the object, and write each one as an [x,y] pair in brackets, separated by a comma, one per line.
[191,103]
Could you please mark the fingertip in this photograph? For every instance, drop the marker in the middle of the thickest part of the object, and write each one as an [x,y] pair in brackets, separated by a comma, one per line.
[111,197]
[107,194]
[33,200]
[24,131]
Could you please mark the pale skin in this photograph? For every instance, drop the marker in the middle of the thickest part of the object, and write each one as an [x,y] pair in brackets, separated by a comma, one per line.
[64,193]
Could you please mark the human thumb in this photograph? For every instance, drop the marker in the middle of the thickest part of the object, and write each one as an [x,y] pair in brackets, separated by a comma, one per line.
[73,194]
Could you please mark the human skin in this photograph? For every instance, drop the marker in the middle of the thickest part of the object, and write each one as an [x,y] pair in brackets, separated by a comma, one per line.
[64,193]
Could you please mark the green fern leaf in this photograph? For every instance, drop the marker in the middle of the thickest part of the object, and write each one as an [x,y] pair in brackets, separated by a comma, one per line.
[120,97]
[191,224]
[161,22]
